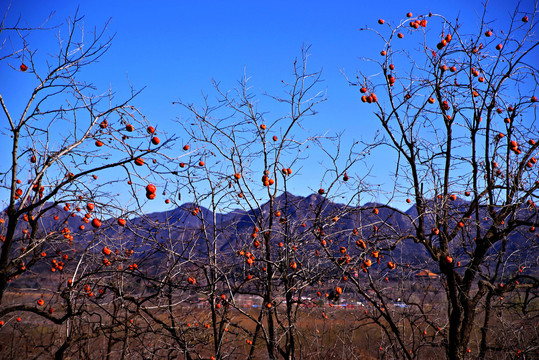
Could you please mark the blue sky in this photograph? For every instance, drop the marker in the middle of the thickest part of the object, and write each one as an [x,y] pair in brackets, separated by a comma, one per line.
[175,48]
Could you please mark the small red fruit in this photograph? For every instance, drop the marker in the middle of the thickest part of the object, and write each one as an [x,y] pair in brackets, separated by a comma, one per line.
[499,47]
[488,33]
[409,15]
[23,67]
[121,222]
[139,162]
[381,21]
[275,138]
[40,302]
[524,19]
[106,251]
[96,223]
[151,188]
[129,127]
[201,163]
[321,191]
[186,147]
[155,140]
[400,36]
[150,130]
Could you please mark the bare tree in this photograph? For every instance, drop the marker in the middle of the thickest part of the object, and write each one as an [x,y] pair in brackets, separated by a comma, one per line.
[460,114]
[242,165]
[71,147]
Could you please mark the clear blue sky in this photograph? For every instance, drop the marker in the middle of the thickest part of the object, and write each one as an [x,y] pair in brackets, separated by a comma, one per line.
[175,48]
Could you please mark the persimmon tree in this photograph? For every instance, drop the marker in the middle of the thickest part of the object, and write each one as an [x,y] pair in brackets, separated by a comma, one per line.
[242,162]
[459,111]
[72,147]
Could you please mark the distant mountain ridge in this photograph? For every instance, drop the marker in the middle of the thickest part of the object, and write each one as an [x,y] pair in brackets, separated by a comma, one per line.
[302,216]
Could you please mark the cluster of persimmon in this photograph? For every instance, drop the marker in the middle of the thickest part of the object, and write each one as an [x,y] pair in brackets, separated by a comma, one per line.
[266,181]
[67,234]
[150,191]
[88,290]
[344,259]
[254,234]
[56,265]
[444,41]
[219,300]
[39,189]
[287,171]
[530,203]
[514,147]
[417,23]
[249,257]
[371,98]
[391,80]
